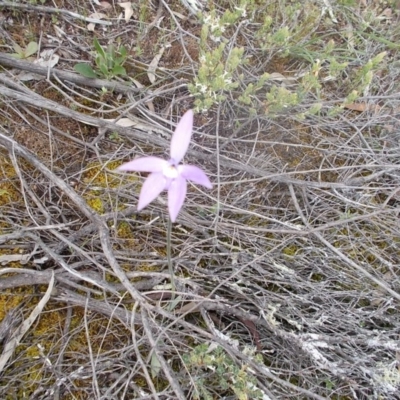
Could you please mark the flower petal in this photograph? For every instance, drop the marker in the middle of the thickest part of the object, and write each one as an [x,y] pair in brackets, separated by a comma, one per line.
[181,137]
[144,164]
[152,187]
[194,174]
[176,196]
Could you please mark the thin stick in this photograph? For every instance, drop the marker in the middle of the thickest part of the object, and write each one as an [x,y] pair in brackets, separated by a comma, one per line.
[170,264]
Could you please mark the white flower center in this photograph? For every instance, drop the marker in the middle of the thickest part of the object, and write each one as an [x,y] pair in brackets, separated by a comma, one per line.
[171,172]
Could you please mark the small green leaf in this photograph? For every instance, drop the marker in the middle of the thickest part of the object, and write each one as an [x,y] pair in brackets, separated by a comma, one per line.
[104,70]
[123,52]
[110,61]
[99,49]
[119,70]
[17,56]
[18,50]
[99,60]
[111,51]
[85,70]
[378,59]
[155,366]
[174,303]
[32,48]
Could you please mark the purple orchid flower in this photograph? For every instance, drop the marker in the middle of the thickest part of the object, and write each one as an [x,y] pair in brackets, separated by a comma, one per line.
[169,175]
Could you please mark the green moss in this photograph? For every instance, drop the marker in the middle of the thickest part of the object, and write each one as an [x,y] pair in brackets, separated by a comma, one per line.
[290,250]
[147,268]
[124,230]
[8,192]
[49,323]
[48,332]
[98,177]
[96,204]
[317,277]
[12,298]
[102,175]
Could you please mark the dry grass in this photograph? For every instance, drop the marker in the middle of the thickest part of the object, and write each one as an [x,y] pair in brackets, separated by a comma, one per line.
[287,272]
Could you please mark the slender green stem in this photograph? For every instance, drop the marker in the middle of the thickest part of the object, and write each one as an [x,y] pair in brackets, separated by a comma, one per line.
[170,266]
